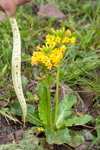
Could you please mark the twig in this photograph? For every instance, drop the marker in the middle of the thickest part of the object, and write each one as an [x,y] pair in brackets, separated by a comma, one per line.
[67,146]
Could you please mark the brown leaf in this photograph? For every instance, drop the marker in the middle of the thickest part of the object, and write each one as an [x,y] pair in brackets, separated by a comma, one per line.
[87,96]
[79,114]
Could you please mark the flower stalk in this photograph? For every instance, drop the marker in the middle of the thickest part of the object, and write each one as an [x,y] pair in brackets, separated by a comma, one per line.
[48,100]
[57,94]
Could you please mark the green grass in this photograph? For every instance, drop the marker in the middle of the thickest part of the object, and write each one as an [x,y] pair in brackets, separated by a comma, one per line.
[81,64]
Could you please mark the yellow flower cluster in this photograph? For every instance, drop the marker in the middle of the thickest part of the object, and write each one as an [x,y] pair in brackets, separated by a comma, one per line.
[52,52]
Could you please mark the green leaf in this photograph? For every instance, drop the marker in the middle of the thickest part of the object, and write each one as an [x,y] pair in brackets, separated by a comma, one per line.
[64,108]
[4,69]
[43,106]
[98,126]
[5,96]
[30,97]
[35,72]
[57,137]
[24,82]
[79,120]
[76,138]
[6,115]
[16,109]
[72,138]
[34,119]
[32,114]
[38,88]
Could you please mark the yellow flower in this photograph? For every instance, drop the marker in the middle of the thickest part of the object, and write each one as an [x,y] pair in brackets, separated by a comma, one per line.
[50,42]
[39,55]
[35,97]
[40,129]
[60,56]
[52,56]
[34,61]
[58,39]
[68,32]
[73,39]
[44,59]
[48,37]
[63,48]
[65,40]
[56,61]
[56,64]
[52,29]
[55,51]
[63,29]
[48,64]
[35,54]
[38,47]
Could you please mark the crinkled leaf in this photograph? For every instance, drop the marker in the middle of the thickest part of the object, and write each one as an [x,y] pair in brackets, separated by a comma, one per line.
[43,106]
[76,138]
[15,107]
[32,114]
[64,108]
[57,137]
[72,138]
[79,120]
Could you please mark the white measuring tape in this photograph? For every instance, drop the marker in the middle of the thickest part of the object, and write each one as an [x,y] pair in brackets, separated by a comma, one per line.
[16,66]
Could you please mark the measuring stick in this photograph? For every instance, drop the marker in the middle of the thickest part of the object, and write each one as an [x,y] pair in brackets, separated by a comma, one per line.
[16,66]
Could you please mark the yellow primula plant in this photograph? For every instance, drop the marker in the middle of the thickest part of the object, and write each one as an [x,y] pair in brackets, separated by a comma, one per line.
[54,121]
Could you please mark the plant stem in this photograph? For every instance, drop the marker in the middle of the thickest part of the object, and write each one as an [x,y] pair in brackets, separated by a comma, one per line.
[57,94]
[48,100]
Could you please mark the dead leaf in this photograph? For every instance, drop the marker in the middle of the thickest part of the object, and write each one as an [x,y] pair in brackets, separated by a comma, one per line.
[87,96]
[79,114]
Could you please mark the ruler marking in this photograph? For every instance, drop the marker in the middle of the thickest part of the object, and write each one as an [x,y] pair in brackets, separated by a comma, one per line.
[16,66]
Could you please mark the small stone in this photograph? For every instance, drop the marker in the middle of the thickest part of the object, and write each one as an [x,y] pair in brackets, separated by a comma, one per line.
[19,134]
[11,137]
[84,146]
[50,10]
[86,133]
